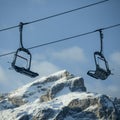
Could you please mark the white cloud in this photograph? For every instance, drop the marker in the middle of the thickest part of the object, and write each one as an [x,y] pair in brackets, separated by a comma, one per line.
[102,87]
[44,68]
[39,57]
[115,64]
[115,57]
[74,54]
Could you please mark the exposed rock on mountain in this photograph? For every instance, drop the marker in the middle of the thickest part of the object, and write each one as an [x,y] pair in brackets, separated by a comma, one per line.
[60,96]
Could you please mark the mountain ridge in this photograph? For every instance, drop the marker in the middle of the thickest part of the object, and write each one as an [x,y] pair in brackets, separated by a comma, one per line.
[59,96]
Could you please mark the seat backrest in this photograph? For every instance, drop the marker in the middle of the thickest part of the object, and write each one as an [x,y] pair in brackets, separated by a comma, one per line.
[17,56]
[101,73]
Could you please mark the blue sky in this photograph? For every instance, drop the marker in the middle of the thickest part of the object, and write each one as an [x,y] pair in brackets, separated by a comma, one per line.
[75,55]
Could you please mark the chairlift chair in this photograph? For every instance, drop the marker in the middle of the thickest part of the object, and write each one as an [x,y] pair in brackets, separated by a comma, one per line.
[100,72]
[23,70]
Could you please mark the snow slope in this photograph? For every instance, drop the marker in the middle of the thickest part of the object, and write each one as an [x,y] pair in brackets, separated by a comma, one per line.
[60,96]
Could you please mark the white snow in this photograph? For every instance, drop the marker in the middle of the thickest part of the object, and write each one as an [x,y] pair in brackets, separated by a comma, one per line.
[32,91]
[58,103]
[64,91]
[59,73]
[92,107]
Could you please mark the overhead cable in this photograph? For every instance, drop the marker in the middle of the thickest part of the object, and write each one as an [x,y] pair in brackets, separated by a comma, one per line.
[65,39]
[69,11]
[59,14]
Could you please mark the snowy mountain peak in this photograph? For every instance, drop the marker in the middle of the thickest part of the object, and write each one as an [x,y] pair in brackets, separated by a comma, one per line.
[47,88]
[59,96]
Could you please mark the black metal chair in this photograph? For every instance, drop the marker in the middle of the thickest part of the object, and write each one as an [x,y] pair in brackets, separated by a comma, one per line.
[99,73]
[23,70]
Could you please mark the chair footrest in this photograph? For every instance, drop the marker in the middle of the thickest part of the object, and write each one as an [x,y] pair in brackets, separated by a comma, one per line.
[24,71]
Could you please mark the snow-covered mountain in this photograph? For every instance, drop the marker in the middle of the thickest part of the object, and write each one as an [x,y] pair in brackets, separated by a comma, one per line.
[60,96]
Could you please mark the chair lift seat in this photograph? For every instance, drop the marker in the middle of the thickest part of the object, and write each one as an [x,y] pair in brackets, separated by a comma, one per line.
[99,73]
[24,71]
